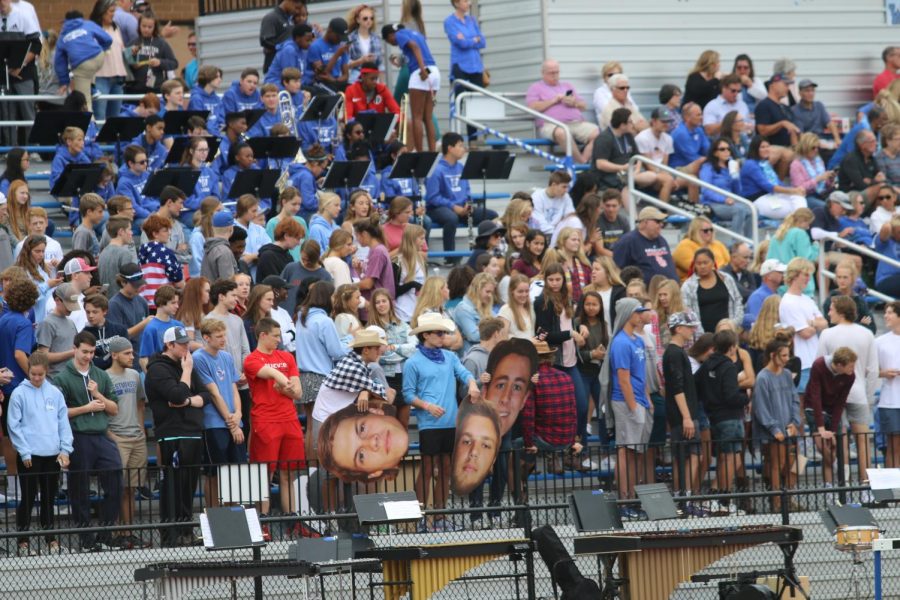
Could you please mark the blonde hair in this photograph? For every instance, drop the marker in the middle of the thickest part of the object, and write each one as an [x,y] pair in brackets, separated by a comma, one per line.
[18,213]
[887,100]
[410,256]
[637,285]
[338,239]
[514,211]
[806,144]
[430,298]
[693,232]
[760,257]
[801,215]
[341,297]
[676,304]
[797,266]
[763,330]
[848,263]
[706,63]
[612,273]
[353,15]
[610,66]
[514,282]
[474,294]
[564,235]
[326,199]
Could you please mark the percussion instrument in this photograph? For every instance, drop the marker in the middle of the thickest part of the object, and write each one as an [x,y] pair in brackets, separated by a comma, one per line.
[848,538]
[176,580]
[424,570]
[672,557]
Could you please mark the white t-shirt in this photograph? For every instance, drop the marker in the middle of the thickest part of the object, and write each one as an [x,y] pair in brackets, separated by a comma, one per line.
[52,251]
[862,342]
[879,217]
[888,347]
[652,147]
[406,304]
[797,311]
[329,401]
[338,269]
[288,329]
[549,211]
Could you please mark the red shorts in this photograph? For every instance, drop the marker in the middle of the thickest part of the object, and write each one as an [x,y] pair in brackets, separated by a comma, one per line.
[279,444]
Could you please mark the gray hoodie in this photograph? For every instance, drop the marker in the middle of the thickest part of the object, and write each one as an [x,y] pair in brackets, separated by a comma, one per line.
[625,307]
[475,361]
[218,260]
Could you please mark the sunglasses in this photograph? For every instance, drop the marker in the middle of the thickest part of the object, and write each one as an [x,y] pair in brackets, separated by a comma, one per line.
[723,149]
[192,45]
[623,87]
[438,333]
[706,230]
[886,197]
[734,90]
[141,162]
[367,18]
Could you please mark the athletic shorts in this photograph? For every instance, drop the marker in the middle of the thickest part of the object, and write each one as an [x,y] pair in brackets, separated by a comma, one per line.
[436,441]
[889,419]
[632,428]
[858,414]
[432,84]
[279,442]
[221,449]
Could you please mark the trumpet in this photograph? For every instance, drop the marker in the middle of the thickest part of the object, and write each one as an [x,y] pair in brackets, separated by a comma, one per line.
[404,119]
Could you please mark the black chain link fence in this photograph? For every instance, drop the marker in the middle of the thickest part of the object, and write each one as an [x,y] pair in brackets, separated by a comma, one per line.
[511,503]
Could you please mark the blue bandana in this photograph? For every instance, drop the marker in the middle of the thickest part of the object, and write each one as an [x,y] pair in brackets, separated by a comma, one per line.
[433,354]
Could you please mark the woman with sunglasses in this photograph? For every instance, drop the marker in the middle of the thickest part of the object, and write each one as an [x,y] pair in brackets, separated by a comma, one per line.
[364,46]
[718,171]
[761,184]
[700,234]
[711,294]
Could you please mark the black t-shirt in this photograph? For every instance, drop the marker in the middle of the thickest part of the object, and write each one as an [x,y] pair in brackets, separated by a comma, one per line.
[612,230]
[678,377]
[616,150]
[769,112]
[713,304]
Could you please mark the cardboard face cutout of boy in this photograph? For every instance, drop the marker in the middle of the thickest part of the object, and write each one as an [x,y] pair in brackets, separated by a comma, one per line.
[481,425]
[365,446]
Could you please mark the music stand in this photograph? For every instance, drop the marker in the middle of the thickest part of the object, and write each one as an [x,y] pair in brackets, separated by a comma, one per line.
[415,165]
[77,179]
[49,125]
[259,182]
[233,528]
[117,130]
[180,144]
[496,164]
[346,174]
[251,115]
[184,178]
[656,501]
[13,49]
[177,120]
[323,553]
[399,507]
[272,147]
[378,126]
[594,510]
[320,108]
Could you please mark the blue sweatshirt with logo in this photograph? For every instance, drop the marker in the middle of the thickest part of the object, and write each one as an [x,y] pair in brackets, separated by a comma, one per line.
[79,40]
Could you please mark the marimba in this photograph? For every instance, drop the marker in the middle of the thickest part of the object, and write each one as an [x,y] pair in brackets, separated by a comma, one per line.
[424,570]
[652,564]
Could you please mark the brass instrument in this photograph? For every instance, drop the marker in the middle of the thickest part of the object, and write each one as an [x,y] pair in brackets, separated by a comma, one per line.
[404,118]
[288,118]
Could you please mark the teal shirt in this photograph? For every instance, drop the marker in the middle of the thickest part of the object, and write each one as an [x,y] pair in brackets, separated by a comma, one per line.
[796,243]
[295,252]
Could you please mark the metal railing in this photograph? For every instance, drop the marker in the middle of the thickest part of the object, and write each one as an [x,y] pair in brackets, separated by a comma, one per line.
[863,250]
[460,118]
[665,206]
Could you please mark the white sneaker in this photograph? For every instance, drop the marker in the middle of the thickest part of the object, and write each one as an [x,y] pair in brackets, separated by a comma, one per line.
[865,497]
[590,464]
[590,431]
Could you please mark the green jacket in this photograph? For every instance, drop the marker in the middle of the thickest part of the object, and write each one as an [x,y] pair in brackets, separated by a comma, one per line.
[72,385]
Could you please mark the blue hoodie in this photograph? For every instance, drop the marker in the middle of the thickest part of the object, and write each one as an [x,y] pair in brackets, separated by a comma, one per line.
[322,51]
[321,346]
[305,182]
[445,187]
[207,185]
[79,40]
[62,158]
[132,185]
[324,133]
[320,230]
[263,127]
[230,175]
[397,187]
[38,421]
[287,54]
[233,100]
[200,100]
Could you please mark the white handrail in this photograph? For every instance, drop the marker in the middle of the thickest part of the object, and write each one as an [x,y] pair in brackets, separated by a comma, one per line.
[522,107]
[754,214]
[864,250]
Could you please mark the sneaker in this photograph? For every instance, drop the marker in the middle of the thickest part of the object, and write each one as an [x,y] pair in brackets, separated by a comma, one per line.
[589,464]
[142,492]
[865,496]
[590,430]
[694,509]
[478,523]
[94,547]
[496,522]
[422,526]
[443,525]
[629,513]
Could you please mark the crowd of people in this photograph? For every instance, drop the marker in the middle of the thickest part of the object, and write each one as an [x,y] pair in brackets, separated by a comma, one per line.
[306,324]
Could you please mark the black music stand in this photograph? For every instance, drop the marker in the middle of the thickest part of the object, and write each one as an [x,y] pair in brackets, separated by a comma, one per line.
[233,528]
[320,108]
[496,164]
[273,147]
[49,125]
[259,182]
[346,174]
[251,116]
[340,549]
[177,120]
[180,144]
[13,49]
[378,126]
[399,507]
[418,166]
[77,179]
[656,501]
[594,510]
[184,178]
[119,130]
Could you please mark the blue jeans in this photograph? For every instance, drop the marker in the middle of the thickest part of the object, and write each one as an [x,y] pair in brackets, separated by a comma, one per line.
[449,221]
[739,217]
[581,400]
[108,108]
[592,385]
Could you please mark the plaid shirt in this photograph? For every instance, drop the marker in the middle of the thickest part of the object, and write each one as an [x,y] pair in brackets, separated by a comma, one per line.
[351,375]
[550,412]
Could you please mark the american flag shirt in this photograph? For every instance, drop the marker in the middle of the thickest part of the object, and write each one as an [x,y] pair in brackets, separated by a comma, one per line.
[160,266]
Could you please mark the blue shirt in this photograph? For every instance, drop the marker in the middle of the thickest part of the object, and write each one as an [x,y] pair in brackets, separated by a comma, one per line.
[305,182]
[754,304]
[627,352]
[132,185]
[404,36]
[16,333]
[324,133]
[754,180]
[464,53]
[287,54]
[848,143]
[219,370]
[890,249]
[436,384]
[721,178]
[263,127]
[397,187]
[207,185]
[152,337]
[690,144]
[322,51]
[445,187]
[156,152]
[318,344]
[200,100]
